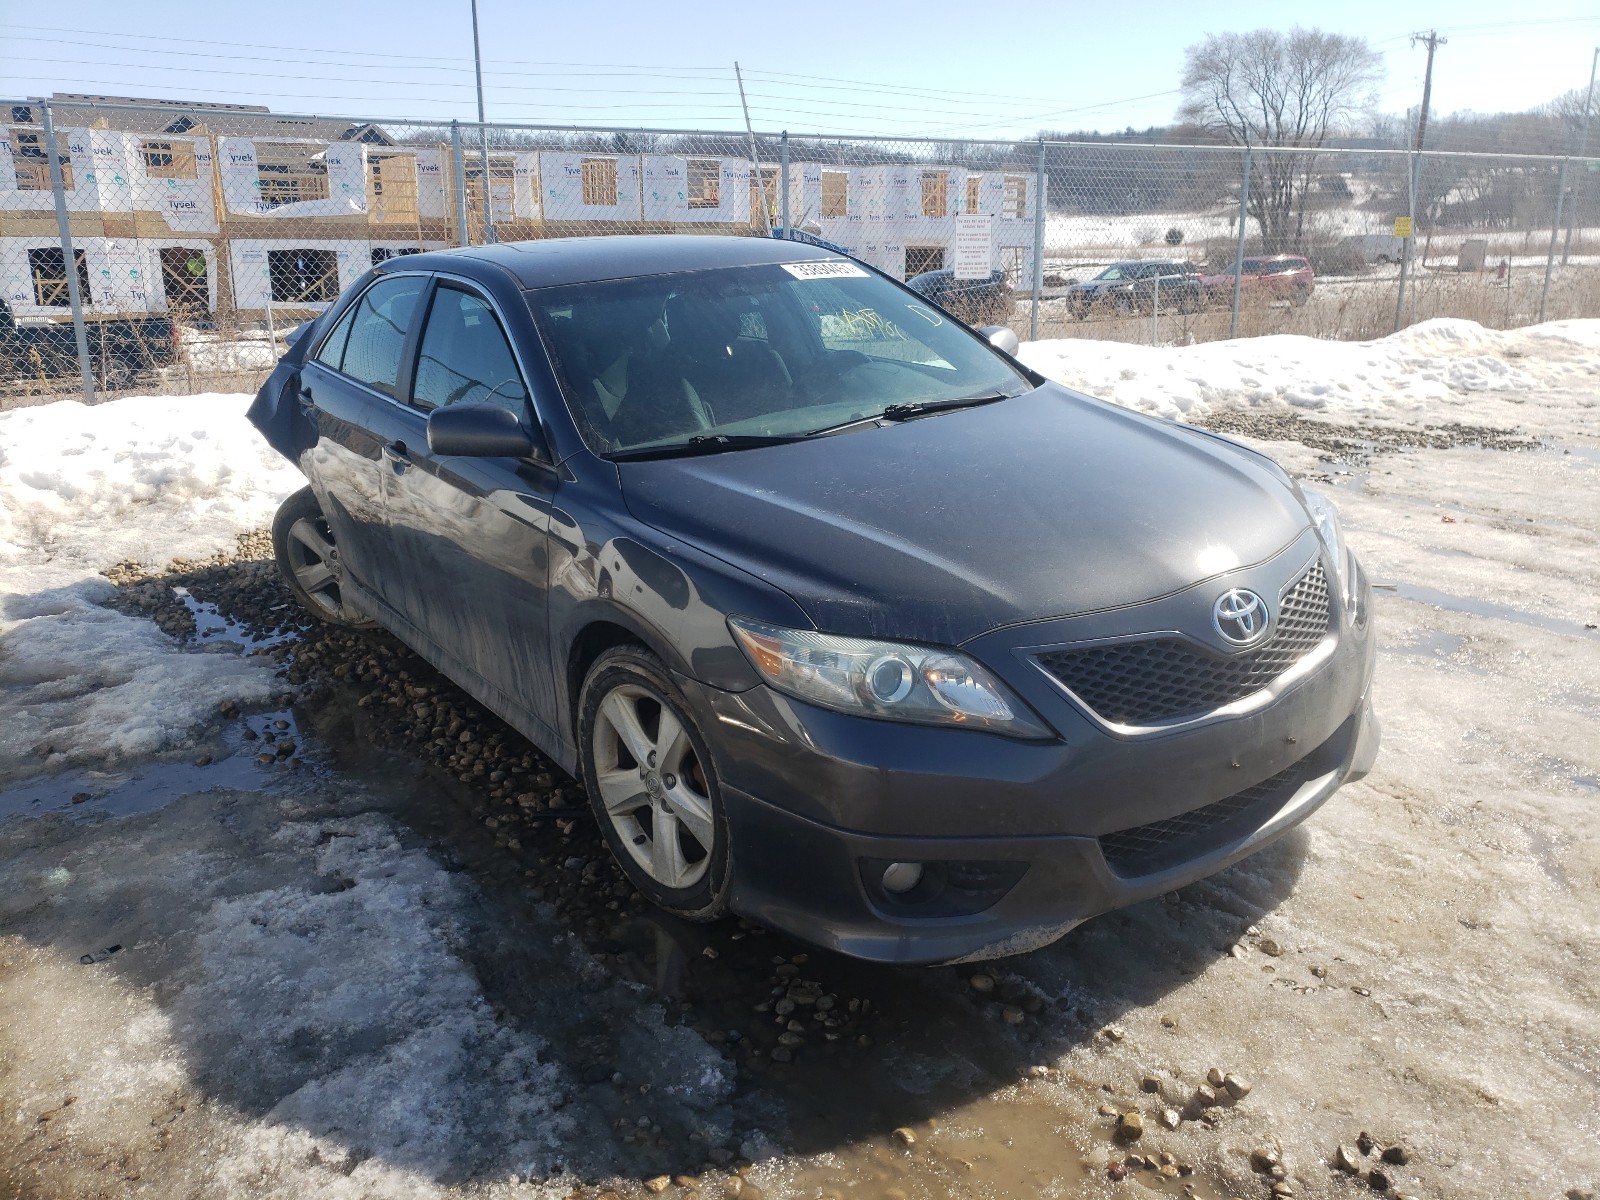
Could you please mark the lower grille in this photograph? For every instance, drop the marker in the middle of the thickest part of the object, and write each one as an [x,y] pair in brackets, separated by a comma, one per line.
[1150,680]
[1145,849]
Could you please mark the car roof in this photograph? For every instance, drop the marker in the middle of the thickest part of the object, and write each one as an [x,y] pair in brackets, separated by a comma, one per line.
[554,261]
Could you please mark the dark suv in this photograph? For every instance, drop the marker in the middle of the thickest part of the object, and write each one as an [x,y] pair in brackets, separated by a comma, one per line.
[1137,286]
[847,621]
[978,302]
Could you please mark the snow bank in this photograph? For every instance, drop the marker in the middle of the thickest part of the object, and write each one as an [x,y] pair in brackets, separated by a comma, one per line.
[81,488]
[1444,369]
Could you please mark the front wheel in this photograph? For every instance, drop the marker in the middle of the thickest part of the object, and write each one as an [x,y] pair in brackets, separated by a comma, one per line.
[652,785]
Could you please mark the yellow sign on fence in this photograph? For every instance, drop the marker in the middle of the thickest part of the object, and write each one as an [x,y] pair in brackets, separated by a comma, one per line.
[1402,227]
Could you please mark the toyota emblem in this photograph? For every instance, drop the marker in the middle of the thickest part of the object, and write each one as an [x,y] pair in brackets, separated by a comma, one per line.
[1240,616]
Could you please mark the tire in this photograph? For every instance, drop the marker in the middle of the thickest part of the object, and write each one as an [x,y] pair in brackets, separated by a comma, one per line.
[309,562]
[654,792]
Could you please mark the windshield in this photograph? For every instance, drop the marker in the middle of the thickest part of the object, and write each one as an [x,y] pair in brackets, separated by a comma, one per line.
[747,352]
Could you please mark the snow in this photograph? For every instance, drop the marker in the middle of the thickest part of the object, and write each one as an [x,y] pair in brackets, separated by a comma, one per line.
[83,488]
[314,985]
[228,352]
[1442,370]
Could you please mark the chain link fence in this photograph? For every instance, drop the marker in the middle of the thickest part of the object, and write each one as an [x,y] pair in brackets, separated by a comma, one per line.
[168,248]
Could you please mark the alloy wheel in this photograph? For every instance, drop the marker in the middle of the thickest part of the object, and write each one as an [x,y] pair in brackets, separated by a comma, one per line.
[653,787]
[314,562]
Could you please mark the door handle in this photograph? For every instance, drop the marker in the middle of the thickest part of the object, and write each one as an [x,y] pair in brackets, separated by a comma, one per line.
[396,453]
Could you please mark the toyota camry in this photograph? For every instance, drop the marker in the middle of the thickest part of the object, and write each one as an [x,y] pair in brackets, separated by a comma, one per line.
[847,621]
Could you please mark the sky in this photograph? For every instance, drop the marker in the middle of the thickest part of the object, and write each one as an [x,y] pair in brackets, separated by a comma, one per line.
[945,68]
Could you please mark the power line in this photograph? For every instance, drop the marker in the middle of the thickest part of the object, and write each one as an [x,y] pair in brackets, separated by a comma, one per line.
[429,58]
[504,87]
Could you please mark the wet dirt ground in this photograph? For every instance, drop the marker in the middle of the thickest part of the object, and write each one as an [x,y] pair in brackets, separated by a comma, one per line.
[650,1056]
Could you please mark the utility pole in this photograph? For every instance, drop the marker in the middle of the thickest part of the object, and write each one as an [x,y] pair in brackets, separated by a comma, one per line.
[758,186]
[483,133]
[1433,41]
[1583,150]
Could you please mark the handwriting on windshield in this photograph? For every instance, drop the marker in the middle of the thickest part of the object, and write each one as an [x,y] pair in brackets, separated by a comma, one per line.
[863,324]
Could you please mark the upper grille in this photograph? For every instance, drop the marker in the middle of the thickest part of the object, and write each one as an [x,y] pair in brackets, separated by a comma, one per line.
[1163,678]
[1147,848]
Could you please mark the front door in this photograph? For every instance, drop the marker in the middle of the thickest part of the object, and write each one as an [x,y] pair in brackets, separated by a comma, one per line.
[345,385]
[472,532]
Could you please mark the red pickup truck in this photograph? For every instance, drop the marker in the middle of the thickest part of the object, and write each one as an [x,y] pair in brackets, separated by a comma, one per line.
[1265,279]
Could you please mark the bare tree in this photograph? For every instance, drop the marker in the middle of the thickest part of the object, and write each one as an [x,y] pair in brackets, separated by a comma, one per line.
[1284,91]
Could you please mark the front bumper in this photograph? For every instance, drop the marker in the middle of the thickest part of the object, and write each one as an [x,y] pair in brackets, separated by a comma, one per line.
[806,877]
[1020,840]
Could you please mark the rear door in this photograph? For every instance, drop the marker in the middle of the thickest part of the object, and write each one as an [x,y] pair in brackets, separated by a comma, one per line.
[472,532]
[343,385]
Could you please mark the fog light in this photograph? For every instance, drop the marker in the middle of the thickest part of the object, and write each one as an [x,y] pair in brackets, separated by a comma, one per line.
[899,878]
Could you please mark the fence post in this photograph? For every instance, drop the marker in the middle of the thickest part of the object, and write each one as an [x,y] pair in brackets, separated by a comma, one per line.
[783,184]
[1238,249]
[1555,234]
[460,168]
[1583,151]
[1040,183]
[489,235]
[1411,239]
[69,257]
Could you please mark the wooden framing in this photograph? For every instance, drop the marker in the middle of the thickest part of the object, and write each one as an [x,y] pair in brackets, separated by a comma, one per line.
[289,172]
[33,163]
[705,182]
[168,159]
[600,182]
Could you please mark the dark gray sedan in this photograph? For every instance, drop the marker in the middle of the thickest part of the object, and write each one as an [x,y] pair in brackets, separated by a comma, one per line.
[848,622]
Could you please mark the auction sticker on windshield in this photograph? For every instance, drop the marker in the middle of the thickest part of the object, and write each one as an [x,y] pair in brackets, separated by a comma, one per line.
[824,270]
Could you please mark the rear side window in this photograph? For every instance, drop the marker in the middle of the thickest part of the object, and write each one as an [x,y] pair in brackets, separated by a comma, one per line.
[366,344]
[465,356]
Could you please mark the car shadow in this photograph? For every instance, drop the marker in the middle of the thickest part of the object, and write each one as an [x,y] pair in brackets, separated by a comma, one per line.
[665,1039]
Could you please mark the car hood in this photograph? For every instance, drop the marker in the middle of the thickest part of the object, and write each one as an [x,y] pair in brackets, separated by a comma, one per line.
[942,528]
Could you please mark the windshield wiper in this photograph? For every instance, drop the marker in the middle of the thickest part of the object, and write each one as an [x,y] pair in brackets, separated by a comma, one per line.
[903,412]
[706,443]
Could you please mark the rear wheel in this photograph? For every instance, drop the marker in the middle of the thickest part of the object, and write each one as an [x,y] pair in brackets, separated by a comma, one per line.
[309,561]
[652,785]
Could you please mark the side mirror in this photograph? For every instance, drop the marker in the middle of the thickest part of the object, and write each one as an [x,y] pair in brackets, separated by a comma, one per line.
[477,431]
[1001,338]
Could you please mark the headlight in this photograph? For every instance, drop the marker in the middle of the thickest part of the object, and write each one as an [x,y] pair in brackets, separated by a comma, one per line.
[892,680]
[1326,518]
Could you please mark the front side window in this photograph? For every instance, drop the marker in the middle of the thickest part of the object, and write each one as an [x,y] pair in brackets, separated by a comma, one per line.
[774,350]
[465,357]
